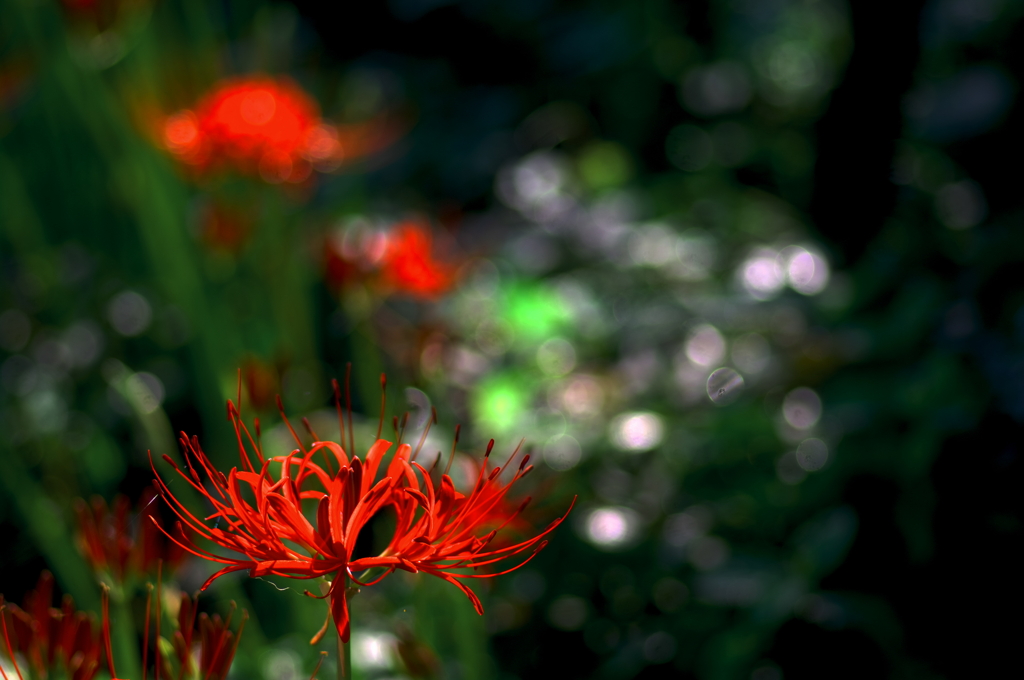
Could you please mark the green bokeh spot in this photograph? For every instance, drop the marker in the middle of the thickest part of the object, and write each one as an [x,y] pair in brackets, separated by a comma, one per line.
[499,402]
[534,312]
[603,165]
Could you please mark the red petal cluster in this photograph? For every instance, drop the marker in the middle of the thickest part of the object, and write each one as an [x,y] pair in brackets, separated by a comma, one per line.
[400,260]
[50,639]
[258,514]
[123,543]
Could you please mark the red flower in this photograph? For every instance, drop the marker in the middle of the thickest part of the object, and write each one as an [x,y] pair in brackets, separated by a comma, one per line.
[114,541]
[398,260]
[438,531]
[269,126]
[50,639]
[266,531]
[408,265]
[259,123]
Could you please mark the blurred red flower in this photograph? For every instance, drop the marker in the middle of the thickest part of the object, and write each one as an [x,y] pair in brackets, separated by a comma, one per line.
[400,260]
[47,638]
[123,544]
[409,266]
[216,641]
[269,126]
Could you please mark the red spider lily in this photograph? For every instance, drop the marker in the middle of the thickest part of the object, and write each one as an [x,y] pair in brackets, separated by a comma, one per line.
[439,532]
[114,541]
[270,126]
[47,638]
[409,267]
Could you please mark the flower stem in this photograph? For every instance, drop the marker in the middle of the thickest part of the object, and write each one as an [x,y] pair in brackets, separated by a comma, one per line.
[344,648]
[344,660]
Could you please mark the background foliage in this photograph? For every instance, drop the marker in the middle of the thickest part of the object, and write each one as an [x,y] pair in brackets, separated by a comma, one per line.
[632,189]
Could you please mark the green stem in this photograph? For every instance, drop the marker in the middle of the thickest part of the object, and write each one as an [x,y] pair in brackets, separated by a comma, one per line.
[126,648]
[344,660]
[344,648]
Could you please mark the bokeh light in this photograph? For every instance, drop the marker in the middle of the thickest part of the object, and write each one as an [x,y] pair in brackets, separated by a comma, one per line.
[538,186]
[705,346]
[373,651]
[812,454]
[724,385]
[801,408]
[556,357]
[562,452]
[534,312]
[129,313]
[580,396]
[806,271]
[636,432]
[500,402]
[761,275]
[612,528]
[652,245]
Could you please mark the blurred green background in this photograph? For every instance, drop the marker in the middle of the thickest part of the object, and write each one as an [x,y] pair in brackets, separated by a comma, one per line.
[740,271]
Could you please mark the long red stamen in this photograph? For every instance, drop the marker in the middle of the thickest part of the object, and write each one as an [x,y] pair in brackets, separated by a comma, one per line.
[348,408]
[455,443]
[7,639]
[337,407]
[295,436]
[426,431]
[327,460]
[383,401]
